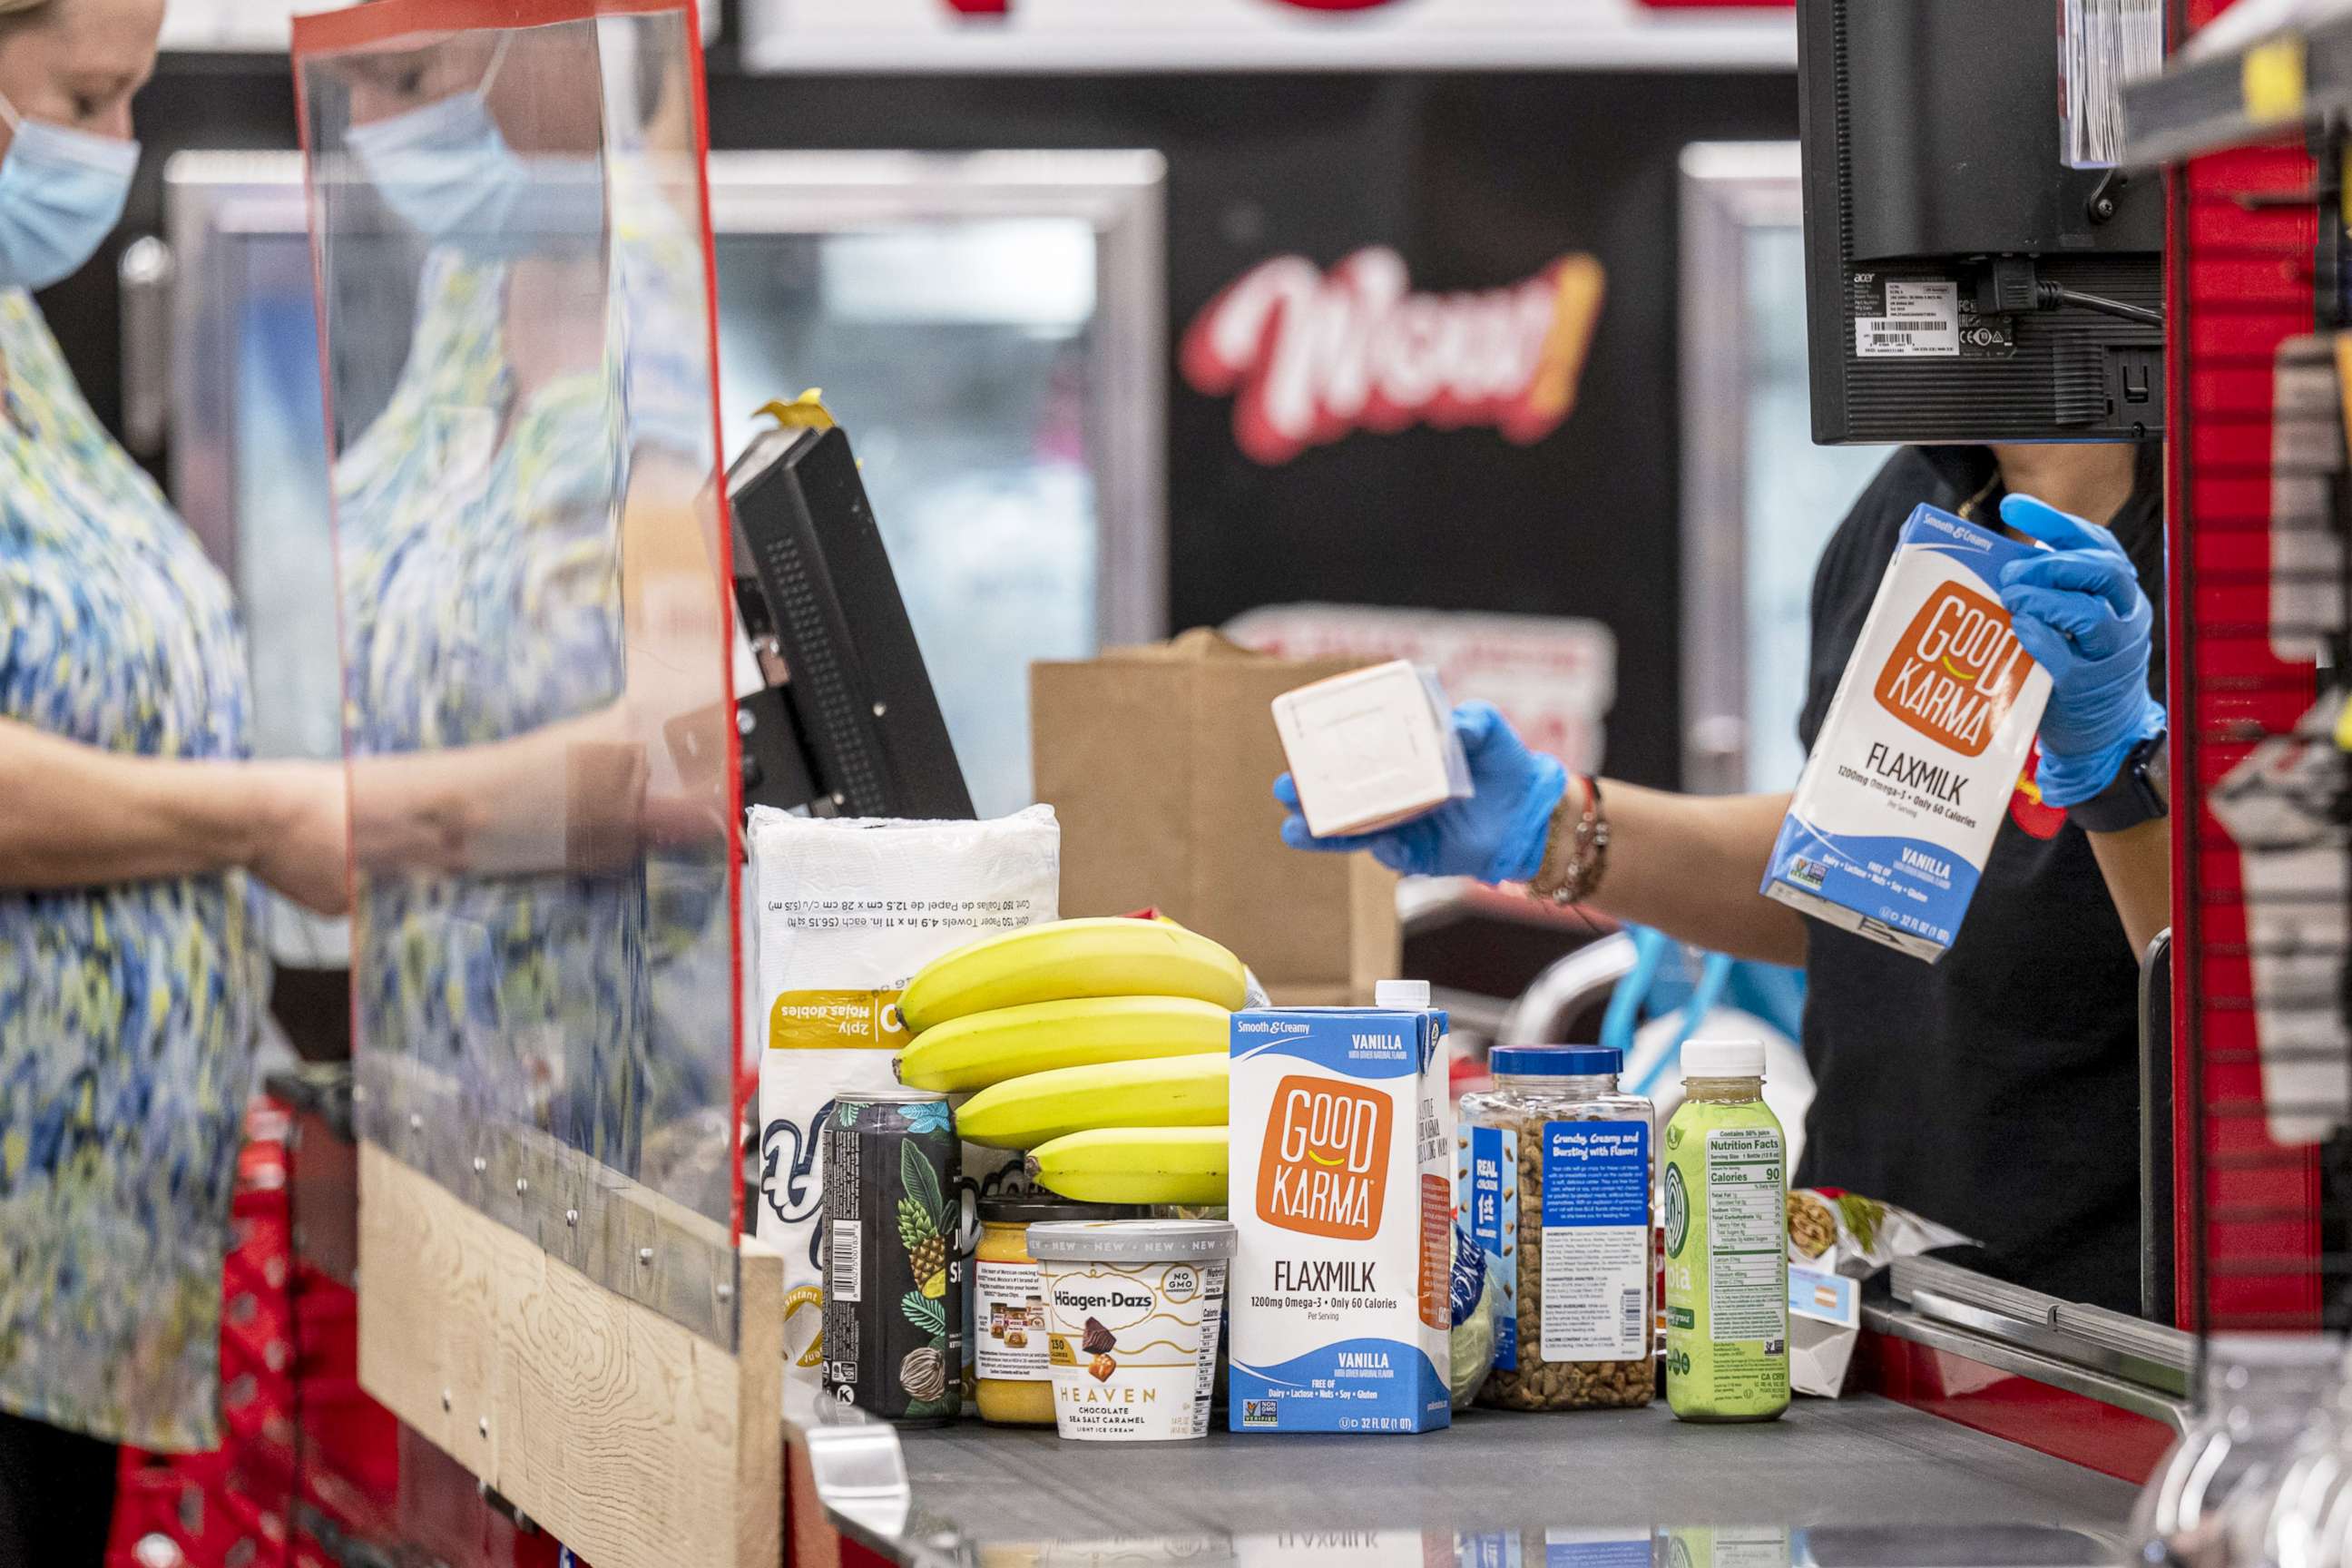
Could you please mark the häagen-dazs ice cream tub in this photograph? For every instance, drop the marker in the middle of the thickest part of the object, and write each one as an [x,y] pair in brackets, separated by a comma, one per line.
[1133,1309]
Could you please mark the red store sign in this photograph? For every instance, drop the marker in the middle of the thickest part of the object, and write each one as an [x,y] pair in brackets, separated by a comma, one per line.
[1310,357]
[1030,36]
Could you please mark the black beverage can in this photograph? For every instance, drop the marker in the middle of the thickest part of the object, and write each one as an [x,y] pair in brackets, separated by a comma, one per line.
[894,1278]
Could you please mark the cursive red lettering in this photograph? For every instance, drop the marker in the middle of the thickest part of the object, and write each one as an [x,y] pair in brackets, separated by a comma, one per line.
[1309,357]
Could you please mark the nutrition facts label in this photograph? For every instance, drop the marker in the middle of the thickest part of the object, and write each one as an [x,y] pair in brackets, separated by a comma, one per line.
[1746,1220]
[1596,1240]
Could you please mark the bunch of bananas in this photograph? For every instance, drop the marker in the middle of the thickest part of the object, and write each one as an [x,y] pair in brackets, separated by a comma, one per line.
[1097,1046]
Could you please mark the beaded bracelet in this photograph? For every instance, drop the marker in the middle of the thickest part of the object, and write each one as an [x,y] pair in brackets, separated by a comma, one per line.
[1576,856]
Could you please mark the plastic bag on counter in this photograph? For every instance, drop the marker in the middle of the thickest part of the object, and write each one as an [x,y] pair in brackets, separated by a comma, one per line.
[1835,1232]
[1477,1300]
[1837,1239]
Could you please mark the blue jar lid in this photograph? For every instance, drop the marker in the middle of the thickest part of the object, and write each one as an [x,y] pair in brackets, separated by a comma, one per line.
[1556,1061]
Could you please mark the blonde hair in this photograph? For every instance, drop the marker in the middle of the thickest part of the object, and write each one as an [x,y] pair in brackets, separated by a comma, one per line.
[12,11]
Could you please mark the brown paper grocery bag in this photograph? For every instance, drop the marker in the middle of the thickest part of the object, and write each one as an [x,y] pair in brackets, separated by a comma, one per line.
[1160,763]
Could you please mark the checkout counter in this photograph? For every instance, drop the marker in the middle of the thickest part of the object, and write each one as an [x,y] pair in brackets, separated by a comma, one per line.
[539,1185]
[1819,1487]
[1867,1479]
[1915,1470]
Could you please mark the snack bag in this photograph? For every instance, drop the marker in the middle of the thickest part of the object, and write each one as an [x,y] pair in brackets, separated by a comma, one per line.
[1835,1232]
[1478,1299]
[1836,1239]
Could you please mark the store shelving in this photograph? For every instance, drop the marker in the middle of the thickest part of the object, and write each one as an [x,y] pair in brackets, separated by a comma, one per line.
[2238,98]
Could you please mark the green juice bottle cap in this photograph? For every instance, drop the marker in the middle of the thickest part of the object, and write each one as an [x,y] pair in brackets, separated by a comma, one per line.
[1722,1058]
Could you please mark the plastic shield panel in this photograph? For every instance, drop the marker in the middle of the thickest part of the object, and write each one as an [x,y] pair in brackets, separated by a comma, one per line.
[510,228]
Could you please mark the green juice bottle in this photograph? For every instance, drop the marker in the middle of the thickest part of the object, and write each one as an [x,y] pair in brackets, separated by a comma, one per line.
[1727,1191]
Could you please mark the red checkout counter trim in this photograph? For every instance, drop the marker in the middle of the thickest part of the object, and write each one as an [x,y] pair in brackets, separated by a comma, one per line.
[2012,1406]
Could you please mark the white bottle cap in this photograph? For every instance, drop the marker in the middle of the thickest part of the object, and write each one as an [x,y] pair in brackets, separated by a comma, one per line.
[1722,1058]
[1402,996]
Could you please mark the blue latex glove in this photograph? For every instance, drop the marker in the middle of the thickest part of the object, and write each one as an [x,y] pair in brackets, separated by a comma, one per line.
[1497,835]
[2079,612]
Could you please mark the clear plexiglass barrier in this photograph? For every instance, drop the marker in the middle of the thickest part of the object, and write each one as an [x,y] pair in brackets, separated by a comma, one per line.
[510,228]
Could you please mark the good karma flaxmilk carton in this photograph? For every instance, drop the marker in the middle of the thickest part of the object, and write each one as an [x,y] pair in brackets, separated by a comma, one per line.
[1923,746]
[1339,1300]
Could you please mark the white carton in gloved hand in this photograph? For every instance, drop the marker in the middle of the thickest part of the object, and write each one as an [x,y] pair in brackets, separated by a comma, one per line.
[1371,749]
[1922,748]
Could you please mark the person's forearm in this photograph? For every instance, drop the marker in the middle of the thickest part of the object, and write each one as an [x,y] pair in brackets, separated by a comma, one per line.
[2137,866]
[1690,865]
[495,808]
[77,817]
[577,796]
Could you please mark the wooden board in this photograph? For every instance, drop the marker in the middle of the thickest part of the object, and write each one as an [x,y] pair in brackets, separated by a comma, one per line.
[632,1440]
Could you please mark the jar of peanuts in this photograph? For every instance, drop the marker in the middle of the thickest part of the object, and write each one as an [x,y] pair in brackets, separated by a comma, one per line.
[1553,1168]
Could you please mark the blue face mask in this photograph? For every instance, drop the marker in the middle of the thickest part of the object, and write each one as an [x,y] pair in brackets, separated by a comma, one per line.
[446,170]
[61,193]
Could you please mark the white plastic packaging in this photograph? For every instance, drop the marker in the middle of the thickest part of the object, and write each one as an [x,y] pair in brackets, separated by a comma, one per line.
[848,908]
[1372,748]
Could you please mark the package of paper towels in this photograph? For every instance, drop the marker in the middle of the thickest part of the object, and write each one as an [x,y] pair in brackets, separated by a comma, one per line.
[848,908]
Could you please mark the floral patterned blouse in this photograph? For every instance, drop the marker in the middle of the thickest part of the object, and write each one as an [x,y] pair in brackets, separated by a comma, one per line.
[127,1013]
[481,559]
[481,601]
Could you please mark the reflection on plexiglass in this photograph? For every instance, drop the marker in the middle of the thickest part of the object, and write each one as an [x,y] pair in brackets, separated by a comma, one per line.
[1630,1546]
[534,640]
[1577,1546]
[1796,493]
[287,589]
[957,353]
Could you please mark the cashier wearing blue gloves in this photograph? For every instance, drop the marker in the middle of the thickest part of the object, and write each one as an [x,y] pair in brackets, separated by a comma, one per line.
[1996,1091]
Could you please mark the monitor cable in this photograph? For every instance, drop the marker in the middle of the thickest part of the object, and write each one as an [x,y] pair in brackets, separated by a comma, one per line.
[2048,296]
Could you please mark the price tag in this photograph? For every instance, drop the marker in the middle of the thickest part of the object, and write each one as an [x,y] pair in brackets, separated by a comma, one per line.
[2271,80]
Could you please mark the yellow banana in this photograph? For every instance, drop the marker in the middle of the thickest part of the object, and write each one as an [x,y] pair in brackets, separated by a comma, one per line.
[1135,1165]
[984,1049]
[1069,960]
[1161,1092]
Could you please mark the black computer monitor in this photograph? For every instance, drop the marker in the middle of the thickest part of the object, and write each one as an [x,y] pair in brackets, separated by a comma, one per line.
[841,719]
[1962,282]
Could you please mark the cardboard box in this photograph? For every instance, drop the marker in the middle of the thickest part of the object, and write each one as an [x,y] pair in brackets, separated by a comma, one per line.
[1921,750]
[1339,1297]
[1371,749]
[1824,1322]
[1161,763]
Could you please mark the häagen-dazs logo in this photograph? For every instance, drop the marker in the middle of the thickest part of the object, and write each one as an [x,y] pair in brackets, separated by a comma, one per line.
[1955,671]
[1309,356]
[1324,1169]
